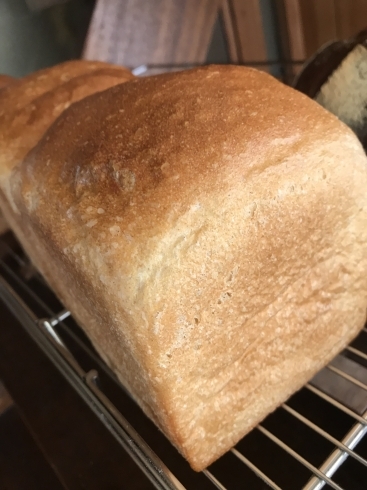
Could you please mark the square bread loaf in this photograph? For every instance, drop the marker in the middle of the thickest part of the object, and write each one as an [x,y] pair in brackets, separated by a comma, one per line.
[28,107]
[208,230]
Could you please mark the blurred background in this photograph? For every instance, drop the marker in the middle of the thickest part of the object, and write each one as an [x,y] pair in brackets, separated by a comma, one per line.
[276,35]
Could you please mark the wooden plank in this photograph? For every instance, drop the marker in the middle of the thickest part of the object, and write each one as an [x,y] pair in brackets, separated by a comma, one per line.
[295,29]
[319,23]
[136,32]
[230,31]
[305,25]
[291,34]
[351,17]
[245,31]
[326,21]
[250,30]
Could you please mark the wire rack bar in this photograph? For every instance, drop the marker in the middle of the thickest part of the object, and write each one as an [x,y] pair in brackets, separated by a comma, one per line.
[49,325]
[337,458]
[9,250]
[357,352]
[214,480]
[255,469]
[25,287]
[299,458]
[347,376]
[145,458]
[60,317]
[336,404]
[101,365]
[324,434]
[168,66]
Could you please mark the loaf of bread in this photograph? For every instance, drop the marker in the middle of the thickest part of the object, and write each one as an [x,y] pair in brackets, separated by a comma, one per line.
[336,78]
[30,105]
[208,230]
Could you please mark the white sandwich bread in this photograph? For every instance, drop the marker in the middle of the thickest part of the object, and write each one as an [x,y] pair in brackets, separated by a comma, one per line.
[345,92]
[208,230]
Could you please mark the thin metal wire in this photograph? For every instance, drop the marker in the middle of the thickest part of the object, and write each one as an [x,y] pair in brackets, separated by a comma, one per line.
[49,328]
[336,404]
[337,457]
[298,457]
[324,434]
[20,261]
[214,480]
[357,352]
[101,365]
[49,325]
[60,317]
[146,459]
[255,469]
[167,66]
[146,456]
[347,376]
[20,282]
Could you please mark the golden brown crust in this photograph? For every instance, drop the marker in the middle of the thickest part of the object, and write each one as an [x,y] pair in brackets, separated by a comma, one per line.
[29,106]
[209,231]
[5,80]
[41,81]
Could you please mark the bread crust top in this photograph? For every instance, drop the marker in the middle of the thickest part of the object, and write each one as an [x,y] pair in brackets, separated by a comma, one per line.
[28,106]
[151,143]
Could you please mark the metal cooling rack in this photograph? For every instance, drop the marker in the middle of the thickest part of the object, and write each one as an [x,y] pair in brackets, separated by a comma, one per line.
[315,440]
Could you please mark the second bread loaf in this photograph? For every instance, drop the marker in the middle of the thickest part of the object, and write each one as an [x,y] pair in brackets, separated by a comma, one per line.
[30,105]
